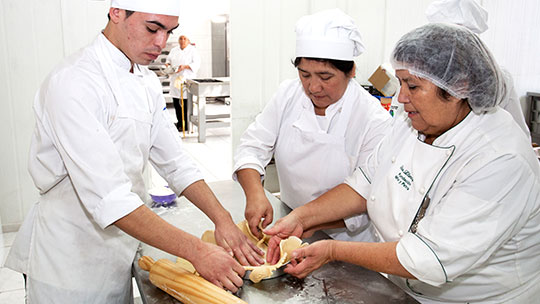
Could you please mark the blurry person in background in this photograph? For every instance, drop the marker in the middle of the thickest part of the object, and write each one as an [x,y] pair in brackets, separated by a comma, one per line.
[185,61]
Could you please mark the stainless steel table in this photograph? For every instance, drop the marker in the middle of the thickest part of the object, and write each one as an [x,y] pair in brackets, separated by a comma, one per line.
[335,282]
[202,88]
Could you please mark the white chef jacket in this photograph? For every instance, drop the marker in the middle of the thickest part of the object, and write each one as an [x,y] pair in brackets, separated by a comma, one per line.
[512,105]
[480,238]
[177,57]
[97,125]
[311,160]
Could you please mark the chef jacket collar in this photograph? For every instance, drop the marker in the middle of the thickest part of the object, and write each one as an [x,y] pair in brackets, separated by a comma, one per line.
[450,137]
[117,57]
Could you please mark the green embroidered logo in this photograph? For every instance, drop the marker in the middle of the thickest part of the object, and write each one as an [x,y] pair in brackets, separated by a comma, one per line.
[404,178]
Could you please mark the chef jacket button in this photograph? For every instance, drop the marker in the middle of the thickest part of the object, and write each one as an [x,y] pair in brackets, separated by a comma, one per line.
[393,159]
[400,233]
[422,190]
[372,197]
[377,236]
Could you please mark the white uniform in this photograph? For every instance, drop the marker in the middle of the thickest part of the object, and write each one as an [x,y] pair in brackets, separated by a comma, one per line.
[311,159]
[177,57]
[512,105]
[480,238]
[97,125]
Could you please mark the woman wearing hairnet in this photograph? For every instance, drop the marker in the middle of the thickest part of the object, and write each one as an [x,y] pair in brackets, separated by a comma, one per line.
[318,127]
[453,189]
[470,14]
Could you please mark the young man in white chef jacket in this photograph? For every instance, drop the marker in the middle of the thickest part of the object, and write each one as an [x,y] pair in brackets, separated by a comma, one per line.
[100,118]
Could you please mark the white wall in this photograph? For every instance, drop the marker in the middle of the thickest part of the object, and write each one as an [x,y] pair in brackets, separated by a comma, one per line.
[263,43]
[35,35]
[514,38]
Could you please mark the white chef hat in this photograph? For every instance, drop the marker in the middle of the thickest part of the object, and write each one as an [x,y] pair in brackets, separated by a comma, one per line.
[467,13]
[329,34]
[160,7]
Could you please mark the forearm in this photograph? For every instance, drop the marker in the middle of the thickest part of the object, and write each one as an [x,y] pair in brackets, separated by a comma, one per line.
[201,196]
[335,205]
[149,228]
[329,225]
[250,180]
[380,257]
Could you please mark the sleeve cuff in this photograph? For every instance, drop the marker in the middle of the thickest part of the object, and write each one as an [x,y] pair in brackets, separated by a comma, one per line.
[247,165]
[357,222]
[117,204]
[420,260]
[184,179]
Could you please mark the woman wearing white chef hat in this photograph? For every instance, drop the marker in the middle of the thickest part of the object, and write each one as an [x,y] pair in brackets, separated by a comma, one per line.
[453,189]
[470,14]
[100,120]
[318,127]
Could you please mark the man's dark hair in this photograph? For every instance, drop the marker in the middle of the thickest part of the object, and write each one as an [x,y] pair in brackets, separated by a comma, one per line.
[128,13]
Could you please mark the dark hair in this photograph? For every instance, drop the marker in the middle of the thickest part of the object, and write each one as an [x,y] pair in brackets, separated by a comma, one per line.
[443,94]
[346,66]
[128,13]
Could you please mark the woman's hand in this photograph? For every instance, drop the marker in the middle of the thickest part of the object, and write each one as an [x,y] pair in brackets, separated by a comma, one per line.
[307,259]
[256,210]
[284,227]
[230,237]
[218,267]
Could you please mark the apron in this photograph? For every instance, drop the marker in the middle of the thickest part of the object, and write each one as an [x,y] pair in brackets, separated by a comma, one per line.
[69,258]
[310,161]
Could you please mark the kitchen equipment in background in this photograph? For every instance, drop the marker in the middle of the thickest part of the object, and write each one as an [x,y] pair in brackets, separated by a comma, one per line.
[202,88]
[533,100]
[220,45]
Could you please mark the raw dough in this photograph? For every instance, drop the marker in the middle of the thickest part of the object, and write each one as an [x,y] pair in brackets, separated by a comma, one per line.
[258,273]
[286,247]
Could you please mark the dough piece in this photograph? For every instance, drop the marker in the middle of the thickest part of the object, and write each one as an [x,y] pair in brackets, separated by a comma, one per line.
[186,265]
[258,273]
[286,247]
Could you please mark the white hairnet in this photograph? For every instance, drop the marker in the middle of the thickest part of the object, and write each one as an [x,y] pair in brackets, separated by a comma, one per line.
[467,13]
[328,34]
[454,59]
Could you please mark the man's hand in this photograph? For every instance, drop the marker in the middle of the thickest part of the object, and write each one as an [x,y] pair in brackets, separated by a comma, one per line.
[229,236]
[218,267]
[284,227]
[307,259]
[256,210]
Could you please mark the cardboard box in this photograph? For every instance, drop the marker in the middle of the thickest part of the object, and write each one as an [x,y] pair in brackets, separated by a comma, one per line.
[384,82]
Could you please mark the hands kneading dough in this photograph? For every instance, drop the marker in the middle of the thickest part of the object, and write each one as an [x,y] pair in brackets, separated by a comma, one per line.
[261,272]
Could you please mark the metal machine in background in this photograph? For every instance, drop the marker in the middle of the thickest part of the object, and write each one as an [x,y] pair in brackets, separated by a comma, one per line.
[203,88]
[220,46]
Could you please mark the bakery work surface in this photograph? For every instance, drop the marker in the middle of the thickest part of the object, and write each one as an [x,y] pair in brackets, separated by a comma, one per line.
[335,282]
